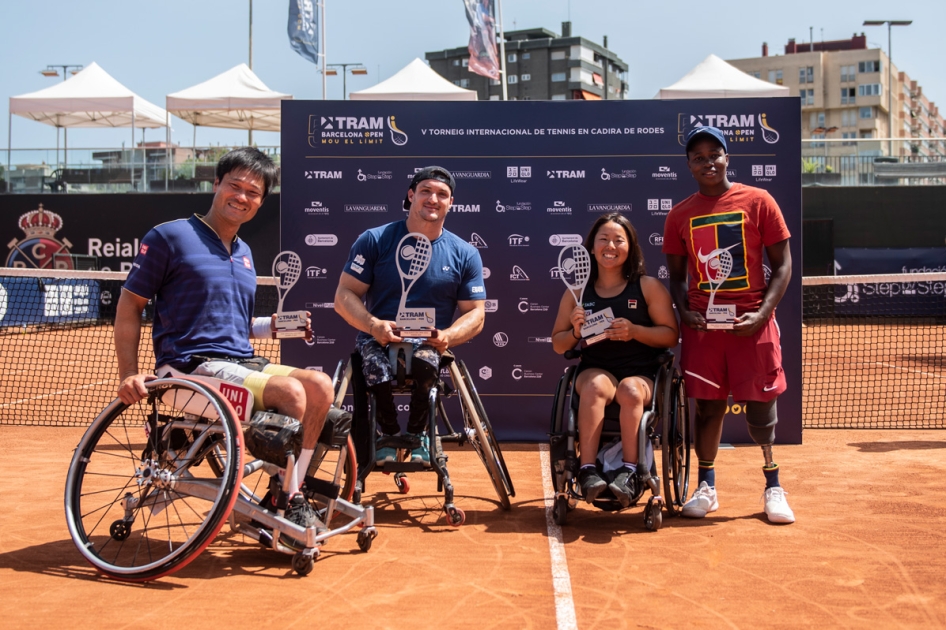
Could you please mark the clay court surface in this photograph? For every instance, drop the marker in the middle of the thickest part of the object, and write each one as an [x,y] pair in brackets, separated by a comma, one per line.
[868,551]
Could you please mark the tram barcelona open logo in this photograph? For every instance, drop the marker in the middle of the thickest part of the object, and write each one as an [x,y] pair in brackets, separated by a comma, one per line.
[40,249]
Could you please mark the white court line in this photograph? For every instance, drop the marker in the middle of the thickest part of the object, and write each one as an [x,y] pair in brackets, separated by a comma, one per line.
[50,395]
[561,580]
[898,367]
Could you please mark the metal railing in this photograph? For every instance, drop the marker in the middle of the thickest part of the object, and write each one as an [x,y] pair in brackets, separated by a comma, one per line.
[107,170]
[825,162]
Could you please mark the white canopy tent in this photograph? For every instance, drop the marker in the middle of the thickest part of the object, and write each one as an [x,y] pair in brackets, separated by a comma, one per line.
[714,78]
[235,99]
[91,98]
[415,82]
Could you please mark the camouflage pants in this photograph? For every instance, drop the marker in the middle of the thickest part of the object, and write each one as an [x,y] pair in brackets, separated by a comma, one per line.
[379,373]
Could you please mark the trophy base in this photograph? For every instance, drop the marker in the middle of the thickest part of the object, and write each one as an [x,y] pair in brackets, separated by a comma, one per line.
[595,339]
[289,334]
[412,333]
[719,325]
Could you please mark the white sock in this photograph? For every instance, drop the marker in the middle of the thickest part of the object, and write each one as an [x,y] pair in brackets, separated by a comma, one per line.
[633,467]
[302,465]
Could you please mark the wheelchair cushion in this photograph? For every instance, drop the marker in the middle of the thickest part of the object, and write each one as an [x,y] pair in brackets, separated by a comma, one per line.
[336,428]
[271,436]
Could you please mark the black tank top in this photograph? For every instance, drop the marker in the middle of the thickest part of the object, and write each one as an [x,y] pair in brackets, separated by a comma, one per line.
[621,356]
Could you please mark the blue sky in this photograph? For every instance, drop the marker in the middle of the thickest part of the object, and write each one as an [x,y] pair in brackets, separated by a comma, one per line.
[157,48]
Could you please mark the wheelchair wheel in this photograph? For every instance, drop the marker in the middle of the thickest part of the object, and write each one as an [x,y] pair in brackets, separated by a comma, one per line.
[557,437]
[484,440]
[675,444]
[142,496]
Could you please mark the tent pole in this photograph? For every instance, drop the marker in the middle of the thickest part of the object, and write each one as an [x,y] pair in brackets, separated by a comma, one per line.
[133,147]
[194,174]
[57,147]
[502,52]
[9,185]
[324,50]
[65,149]
[167,148]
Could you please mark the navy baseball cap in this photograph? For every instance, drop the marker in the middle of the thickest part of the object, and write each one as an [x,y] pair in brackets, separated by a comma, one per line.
[698,132]
[437,173]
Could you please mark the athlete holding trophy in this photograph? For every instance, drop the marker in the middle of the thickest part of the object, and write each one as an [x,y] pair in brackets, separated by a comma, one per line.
[403,282]
[717,238]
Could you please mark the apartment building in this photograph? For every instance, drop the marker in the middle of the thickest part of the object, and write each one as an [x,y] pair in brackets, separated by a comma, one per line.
[844,89]
[542,65]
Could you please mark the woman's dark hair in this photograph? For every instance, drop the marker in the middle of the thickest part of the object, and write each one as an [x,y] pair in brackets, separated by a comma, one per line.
[634,265]
[252,160]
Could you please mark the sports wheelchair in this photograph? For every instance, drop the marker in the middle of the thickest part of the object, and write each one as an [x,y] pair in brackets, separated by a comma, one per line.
[151,484]
[476,429]
[665,426]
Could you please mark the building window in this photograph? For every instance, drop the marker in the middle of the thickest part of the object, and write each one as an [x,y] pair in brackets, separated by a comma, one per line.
[849,118]
[558,76]
[511,57]
[495,82]
[868,66]
[817,145]
[775,76]
[525,77]
[526,56]
[456,62]
[512,79]
[848,134]
[558,54]
[464,83]
[848,73]
[815,120]
[806,75]
[757,75]
[847,96]
[869,89]
[558,97]
[466,62]
[866,135]
[494,97]
[866,112]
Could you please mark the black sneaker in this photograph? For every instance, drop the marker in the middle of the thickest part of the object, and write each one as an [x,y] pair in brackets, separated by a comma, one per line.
[626,486]
[591,483]
[300,513]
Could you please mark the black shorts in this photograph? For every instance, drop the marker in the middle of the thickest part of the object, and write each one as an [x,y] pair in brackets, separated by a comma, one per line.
[621,373]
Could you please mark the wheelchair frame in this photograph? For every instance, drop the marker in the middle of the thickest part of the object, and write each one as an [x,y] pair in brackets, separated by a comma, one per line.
[476,430]
[140,505]
[665,424]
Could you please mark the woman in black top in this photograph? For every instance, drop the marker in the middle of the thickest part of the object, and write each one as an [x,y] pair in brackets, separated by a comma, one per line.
[621,367]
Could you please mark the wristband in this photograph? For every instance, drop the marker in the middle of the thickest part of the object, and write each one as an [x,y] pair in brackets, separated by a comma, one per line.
[262,327]
[575,336]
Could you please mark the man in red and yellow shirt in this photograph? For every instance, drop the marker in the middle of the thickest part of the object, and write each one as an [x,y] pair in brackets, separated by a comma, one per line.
[715,240]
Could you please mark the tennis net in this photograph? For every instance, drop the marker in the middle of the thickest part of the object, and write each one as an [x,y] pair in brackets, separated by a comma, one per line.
[57,343]
[874,351]
[873,356]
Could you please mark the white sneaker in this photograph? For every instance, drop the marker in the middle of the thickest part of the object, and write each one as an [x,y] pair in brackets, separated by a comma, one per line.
[776,506]
[702,502]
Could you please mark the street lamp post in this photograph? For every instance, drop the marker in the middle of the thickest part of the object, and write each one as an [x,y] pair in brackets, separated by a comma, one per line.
[890,24]
[356,68]
[52,70]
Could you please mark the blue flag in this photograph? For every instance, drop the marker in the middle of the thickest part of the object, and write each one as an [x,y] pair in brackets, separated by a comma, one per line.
[304,29]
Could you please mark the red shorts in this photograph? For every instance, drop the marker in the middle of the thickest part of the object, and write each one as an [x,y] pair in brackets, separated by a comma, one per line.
[716,363]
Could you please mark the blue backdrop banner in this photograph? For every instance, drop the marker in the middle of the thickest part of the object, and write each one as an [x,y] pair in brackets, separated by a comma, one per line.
[531,177]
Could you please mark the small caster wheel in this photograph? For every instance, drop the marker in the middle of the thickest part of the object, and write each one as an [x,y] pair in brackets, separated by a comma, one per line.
[455,516]
[120,530]
[560,510]
[303,564]
[402,482]
[653,516]
[365,538]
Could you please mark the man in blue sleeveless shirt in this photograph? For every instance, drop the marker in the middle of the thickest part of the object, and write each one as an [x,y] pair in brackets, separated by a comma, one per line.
[369,293]
[201,277]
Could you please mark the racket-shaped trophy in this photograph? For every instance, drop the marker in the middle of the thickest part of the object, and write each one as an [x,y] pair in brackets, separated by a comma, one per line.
[717,265]
[287,267]
[574,265]
[412,257]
